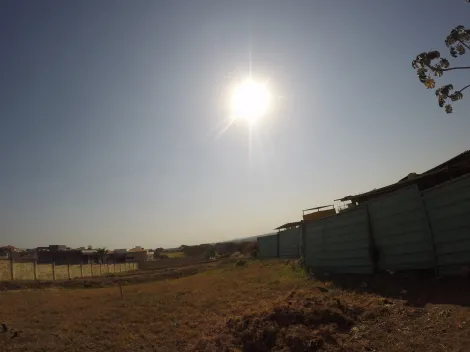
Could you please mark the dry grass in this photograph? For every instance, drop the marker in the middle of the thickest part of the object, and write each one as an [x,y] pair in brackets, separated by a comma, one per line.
[259,306]
[174,254]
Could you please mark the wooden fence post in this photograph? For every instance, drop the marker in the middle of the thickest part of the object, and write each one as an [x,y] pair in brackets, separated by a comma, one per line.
[68,270]
[81,270]
[91,269]
[53,271]
[35,269]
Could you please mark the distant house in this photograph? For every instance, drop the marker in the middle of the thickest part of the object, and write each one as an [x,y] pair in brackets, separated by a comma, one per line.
[8,252]
[451,169]
[60,255]
[140,255]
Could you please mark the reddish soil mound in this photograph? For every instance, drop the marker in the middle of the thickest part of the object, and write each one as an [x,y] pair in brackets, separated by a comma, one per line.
[300,323]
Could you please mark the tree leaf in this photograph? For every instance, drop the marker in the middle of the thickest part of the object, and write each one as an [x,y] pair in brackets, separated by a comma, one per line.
[429,83]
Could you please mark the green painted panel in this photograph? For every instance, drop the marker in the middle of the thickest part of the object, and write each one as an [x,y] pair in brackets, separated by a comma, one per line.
[442,212]
[454,247]
[410,248]
[404,239]
[401,230]
[339,243]
[448,207]
[454,258]
[267,246]
[454,222]
[394,224]
[361,253]
[451,235]
[289,243]
[346,270]
[383,214]
[346,262]
[332,238]
[456,269]
[342,246]
[410,261]
[458,186]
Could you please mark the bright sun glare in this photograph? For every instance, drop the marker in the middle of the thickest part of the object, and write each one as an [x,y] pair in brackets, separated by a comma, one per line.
[250,100]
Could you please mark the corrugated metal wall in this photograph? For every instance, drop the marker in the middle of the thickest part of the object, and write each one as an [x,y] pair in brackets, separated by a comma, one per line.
[410,230]
[401,231]
[339,243]
[448,208]
[289,243]
[267,247]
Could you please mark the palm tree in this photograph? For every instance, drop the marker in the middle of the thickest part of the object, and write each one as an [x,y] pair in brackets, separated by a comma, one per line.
[102,253]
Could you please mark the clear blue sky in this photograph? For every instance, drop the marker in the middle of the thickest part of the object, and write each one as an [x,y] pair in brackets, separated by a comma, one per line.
[109,112]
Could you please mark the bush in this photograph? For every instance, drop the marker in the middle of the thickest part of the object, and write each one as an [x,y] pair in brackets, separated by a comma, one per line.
[240,263]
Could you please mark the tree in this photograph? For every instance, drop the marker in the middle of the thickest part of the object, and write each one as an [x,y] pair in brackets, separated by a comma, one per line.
[430,64]
[102,252]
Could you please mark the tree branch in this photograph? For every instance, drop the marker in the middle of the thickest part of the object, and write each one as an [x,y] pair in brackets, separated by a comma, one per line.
[464,88]
[465,45]
[453,68]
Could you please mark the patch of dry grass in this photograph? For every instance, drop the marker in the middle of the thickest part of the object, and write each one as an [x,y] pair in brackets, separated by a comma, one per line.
[174,254]
[260,306]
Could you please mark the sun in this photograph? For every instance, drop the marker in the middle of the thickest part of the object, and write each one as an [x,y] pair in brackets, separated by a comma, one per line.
[250,100]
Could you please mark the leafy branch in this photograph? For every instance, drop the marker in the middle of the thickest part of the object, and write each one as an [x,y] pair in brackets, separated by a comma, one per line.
[430,64]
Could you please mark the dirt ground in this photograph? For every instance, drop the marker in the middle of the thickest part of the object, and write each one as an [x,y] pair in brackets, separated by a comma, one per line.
[237,306]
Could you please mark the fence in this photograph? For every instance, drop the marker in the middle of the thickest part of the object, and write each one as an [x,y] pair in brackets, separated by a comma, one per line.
[448,210]
[401,231]
[289,243]
[268,247]
[339,243]
[9,270]
[404,230]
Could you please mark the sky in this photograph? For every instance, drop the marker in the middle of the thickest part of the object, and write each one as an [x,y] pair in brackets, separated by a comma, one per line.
[111,114]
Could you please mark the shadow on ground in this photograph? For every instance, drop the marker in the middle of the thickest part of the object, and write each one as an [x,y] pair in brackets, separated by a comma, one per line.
[417,288]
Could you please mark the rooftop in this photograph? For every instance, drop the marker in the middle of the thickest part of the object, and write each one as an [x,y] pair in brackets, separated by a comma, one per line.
[454,167]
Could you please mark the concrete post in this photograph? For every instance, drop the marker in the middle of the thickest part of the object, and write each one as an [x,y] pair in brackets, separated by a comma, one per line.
[12,268]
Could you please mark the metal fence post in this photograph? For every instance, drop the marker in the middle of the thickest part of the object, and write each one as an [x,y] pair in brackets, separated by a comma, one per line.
[431,234]
[278,254]
[373,250]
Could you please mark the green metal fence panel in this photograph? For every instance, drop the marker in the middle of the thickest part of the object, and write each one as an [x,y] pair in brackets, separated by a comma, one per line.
[448,208]
[401,231]
[267,247]
[339,243]
[289,243]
